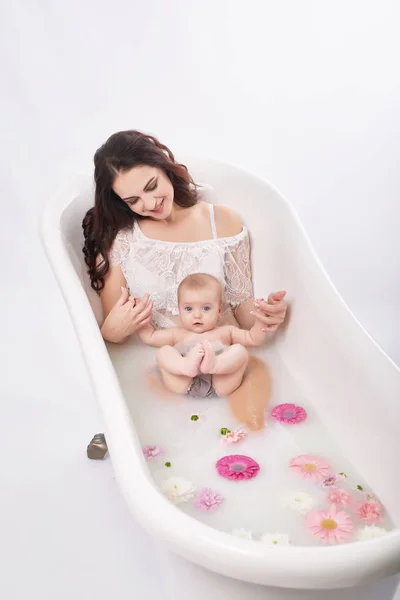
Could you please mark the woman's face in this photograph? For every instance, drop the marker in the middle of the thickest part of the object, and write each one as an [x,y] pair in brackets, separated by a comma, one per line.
[146,190]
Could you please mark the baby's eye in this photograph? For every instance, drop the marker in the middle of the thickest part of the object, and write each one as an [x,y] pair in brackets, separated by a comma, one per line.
[207,308]
[188,308]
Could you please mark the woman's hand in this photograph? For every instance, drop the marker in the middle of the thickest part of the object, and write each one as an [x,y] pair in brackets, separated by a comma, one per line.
[127,316]
[271,312]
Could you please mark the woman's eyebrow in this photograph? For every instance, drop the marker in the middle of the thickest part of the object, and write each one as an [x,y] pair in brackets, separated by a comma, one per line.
[144,189]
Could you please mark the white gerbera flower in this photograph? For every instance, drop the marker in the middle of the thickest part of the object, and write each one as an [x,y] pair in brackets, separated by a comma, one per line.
[300,502]
[178,489]
[243,533]
[370,532]
[275,539]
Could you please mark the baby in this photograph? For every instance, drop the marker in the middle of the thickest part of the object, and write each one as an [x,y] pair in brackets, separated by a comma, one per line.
[199,358]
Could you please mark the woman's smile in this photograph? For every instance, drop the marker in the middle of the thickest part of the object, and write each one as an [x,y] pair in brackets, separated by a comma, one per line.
[159,208]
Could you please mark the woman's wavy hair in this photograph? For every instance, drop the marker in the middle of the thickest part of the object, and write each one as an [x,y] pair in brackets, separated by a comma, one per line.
[121,152]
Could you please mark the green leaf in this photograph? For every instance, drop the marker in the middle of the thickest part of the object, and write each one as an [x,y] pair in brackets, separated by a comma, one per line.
[224,430]
[167,464]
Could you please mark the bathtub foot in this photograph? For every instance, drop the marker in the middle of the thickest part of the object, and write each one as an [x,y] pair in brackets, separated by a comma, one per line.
[97,448]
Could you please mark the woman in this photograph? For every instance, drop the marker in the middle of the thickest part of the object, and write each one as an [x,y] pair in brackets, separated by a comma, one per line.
[148,230]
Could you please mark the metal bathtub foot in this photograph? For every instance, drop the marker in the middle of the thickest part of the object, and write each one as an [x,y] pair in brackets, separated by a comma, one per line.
[97,448]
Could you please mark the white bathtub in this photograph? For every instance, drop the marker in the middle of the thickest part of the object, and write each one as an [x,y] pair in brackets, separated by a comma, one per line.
[341,371]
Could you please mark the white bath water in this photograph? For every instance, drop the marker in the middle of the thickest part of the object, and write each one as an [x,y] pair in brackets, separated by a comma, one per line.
[192,449]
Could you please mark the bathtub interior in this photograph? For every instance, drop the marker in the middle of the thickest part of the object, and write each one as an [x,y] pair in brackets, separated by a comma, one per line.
[322,360]
[191,449]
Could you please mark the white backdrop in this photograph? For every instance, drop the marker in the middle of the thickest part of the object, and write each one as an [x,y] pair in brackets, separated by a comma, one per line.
[306,94]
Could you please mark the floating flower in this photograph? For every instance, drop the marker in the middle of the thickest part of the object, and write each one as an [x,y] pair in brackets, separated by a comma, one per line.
[207,499]
[310,467]
[289,413]
[242,533]
[300,502]
[237,466]
[275,539]
[340,498]
[330,481]
[331,526]
[370,532]
[369,512]
[232,437]
[152,452]
[178,489]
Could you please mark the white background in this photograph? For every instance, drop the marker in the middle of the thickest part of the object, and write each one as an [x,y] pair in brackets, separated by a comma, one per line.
[305,93]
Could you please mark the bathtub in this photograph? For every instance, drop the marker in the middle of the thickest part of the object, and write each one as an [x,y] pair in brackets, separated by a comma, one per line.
[330,356]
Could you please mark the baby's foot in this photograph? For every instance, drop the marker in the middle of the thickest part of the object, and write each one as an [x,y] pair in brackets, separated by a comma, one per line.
[208,363]
[193,360]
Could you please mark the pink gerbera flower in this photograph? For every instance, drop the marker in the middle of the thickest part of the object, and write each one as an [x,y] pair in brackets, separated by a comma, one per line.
[207,499]
[331,526]
[340,498]
[369,512]
[152,452]
[310,467]
[289,413]
[237,466]
[233,436]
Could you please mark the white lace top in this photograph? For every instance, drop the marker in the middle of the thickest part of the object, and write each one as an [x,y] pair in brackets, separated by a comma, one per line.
[158,267]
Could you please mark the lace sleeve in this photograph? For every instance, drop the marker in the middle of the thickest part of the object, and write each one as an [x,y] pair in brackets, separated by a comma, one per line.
[120,248]
[238,282]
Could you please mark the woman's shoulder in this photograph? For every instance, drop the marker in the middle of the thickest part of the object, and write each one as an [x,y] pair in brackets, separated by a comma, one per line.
[227,222]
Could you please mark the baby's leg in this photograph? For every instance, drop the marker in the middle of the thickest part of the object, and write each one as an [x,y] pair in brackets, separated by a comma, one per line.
[227,368]
[178,371]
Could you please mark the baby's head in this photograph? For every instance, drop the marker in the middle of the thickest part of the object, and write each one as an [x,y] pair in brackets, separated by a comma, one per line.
[199,302]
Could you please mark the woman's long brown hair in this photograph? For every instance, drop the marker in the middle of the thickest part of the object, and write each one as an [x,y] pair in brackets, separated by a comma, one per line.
[121,152]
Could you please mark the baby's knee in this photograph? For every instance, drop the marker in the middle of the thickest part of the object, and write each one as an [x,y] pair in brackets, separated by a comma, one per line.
[241,351]
[227,384]
[163,351]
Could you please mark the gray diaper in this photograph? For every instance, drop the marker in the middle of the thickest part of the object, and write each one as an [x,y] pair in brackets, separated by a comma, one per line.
[201,386]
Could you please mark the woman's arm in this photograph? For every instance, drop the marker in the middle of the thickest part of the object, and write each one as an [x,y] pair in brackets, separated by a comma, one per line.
[243,314]
[113,282]
[123,314]
[239,286]
[238,282]
[270,313]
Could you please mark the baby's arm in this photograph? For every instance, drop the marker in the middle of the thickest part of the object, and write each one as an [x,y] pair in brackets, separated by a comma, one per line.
[159,337]
[250,338]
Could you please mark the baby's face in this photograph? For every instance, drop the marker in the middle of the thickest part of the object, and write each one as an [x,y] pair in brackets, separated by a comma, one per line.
[199,309]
